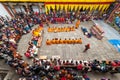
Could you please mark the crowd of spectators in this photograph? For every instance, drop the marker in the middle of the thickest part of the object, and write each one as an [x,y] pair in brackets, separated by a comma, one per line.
[35,42]
[57,69]
[53,69]
[10,33]
[68,17]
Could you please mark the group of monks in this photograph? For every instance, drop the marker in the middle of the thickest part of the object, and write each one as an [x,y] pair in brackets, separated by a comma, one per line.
[65,41]
[62,29]
[36,32]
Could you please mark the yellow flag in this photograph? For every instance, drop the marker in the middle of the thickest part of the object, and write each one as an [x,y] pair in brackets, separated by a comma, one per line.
[66,7]
[46,10]
[72,7]
[87,7]
[100,7]
[76,7]
[48,7]
[80,7]
[84,7]
[53,6]
[61,6]
[96,7]
[57,7]
[104,6]
[107,6]
[91,7]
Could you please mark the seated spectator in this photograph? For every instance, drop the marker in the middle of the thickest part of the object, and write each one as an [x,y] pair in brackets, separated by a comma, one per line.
[27,54]
[57,68]
[80,66]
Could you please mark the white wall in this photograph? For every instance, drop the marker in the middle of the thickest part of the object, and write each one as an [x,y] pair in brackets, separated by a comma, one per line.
[3,11]
[35,8]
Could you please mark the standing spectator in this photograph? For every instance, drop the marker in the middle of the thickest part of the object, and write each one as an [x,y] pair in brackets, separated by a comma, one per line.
[86,47]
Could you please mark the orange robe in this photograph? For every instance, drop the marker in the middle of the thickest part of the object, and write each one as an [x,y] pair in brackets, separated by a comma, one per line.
[49,29]
[80,41]
[64,41]
[73,41]
[48,42]
[68,29]
[72,28]
[61,41]
[77,24]
[76,41]
[53,41]
[68,41]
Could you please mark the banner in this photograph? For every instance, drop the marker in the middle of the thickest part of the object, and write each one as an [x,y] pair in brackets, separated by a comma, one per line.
[69,5]
[104,6]
[76,7]
[100,7]
[91,7]
[57,7]
[47,7]
[52,6]
[61,6]
[57,1]
[72,7]
[96,7]
[66,7]
[107,6]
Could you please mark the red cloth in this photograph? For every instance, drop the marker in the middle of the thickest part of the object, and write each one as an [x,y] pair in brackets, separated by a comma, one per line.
[36,13]
[85,76]
[41,25]
[27,54]
[59,19]
[87,46]
[119,63]
[114,64]
[63,78]
[79,67]
[57,68]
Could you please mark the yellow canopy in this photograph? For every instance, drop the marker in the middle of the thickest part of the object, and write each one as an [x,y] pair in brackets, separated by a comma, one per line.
[57,0]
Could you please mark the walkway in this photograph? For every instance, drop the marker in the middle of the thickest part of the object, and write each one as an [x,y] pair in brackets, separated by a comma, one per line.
[112,35]
[110,32]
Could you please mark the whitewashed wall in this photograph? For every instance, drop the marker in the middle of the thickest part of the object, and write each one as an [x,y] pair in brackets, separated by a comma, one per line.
[3,11]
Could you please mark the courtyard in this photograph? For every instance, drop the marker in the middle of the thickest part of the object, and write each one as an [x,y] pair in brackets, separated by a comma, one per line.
[100,49]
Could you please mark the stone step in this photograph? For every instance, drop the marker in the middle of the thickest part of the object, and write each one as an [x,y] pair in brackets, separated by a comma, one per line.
[9,75]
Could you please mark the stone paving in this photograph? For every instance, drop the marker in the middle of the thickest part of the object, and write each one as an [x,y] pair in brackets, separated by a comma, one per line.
[100,49]
[110,32]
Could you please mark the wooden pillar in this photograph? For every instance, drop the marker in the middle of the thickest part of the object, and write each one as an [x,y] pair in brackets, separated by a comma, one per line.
[14,10]
[8,10]
[26,8]
[39,7]
[111,16]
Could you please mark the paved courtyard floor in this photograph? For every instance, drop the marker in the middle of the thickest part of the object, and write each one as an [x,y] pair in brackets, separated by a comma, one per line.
[100,49]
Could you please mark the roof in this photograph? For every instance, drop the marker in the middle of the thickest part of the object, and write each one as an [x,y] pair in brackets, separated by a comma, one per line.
[57,0]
